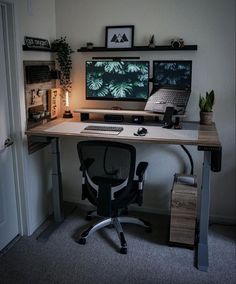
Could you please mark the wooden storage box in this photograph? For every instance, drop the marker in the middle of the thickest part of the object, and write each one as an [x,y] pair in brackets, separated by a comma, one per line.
[183,210]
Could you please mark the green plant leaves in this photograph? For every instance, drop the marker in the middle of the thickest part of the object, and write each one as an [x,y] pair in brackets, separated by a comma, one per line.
[206,103]
[117,79]
[94,83]
[120,89]
[63,56]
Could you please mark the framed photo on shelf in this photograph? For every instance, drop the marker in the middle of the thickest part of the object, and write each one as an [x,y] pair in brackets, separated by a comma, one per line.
[119,36]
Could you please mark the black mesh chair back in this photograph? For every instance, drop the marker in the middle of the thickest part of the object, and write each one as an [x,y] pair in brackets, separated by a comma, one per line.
[108,169]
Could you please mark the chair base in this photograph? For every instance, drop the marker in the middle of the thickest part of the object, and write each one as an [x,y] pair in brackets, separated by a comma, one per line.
[93,213]
[116,222]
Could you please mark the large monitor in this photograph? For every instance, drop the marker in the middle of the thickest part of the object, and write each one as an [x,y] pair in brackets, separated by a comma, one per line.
[172,74]
[117,80]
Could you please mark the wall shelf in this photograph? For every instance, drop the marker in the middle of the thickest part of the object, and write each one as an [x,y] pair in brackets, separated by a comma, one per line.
[138,48]
[26,48]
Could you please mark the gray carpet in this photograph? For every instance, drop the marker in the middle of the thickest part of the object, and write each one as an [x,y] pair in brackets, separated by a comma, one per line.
[149,258]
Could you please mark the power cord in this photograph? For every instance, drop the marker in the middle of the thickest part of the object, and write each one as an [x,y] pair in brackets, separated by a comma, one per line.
[190,158]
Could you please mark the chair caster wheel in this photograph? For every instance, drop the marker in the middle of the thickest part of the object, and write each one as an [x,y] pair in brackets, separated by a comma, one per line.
[82,241]
[123,250]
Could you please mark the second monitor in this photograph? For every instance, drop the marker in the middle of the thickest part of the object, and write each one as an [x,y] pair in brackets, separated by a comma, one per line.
[172,74]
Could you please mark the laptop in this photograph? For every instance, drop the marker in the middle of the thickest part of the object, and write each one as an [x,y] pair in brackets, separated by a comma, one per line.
[171,86]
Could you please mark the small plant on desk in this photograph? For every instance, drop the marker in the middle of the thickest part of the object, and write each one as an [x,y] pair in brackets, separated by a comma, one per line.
[206,105]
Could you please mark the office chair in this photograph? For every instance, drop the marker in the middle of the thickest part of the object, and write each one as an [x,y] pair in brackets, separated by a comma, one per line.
[108,170]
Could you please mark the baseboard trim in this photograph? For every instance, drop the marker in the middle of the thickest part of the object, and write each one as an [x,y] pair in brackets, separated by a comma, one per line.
[149,210]
[74,198]
[34,227]
[10,245]
[224,220]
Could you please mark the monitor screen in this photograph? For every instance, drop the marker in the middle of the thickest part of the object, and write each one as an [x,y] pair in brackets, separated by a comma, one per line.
[117,80]
[172,74]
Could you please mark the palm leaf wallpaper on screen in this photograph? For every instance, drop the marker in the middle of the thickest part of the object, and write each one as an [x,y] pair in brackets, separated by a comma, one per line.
[175,74]
[112,80]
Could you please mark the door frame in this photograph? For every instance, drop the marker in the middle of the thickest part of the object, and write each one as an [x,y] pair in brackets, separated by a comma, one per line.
[13,58]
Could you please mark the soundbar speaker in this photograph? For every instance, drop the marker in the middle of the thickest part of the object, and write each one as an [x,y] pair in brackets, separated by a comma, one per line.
[113,118]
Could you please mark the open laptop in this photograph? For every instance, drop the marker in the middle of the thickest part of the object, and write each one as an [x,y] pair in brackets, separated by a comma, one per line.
[171,86]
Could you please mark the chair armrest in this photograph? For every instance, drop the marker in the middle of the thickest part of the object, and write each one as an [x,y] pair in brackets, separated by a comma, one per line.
[141,169]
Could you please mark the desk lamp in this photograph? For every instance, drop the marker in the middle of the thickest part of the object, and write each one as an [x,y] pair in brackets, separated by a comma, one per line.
[67,113]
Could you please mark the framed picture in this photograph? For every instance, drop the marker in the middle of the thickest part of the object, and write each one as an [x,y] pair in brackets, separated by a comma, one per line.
[119,36]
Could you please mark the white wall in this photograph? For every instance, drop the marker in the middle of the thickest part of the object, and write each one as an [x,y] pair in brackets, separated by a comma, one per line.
[37,19]
[208,23]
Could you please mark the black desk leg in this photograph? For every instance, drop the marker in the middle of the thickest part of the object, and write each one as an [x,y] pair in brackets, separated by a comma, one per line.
[57,196]
[202,259]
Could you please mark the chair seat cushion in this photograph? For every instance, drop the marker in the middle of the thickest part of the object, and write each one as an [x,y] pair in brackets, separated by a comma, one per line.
[112,181]
[131,197]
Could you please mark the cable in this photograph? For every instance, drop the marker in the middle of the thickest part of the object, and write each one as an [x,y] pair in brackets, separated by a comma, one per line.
[190,158]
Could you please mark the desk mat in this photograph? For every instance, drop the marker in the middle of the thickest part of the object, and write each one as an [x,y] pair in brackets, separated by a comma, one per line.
[154,132]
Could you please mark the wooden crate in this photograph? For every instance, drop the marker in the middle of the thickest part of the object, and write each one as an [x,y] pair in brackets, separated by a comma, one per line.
[183,213]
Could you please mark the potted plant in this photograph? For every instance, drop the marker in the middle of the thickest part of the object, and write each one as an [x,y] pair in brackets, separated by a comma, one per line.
[151,41]
[206,105]
[63,57]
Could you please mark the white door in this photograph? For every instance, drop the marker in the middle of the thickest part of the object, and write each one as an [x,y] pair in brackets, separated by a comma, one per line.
[8,210]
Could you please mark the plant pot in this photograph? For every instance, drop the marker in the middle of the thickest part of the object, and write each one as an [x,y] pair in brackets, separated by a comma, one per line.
[206,117]
[151,45]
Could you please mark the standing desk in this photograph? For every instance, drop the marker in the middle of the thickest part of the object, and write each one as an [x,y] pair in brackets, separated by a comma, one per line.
[205,138]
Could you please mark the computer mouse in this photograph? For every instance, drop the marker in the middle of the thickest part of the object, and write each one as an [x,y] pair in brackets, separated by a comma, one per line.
[142,131]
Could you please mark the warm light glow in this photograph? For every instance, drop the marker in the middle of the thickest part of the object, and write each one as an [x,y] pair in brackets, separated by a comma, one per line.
[67,99]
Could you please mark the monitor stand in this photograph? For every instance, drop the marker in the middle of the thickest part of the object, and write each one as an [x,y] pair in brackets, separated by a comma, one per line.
[116,108]
[113,118]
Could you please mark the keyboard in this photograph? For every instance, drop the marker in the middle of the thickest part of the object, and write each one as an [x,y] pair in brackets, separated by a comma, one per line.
[168,97]
[100,129]
[173,97]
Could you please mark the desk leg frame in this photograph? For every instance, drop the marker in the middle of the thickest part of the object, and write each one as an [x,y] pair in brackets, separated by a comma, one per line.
[57,182]
[202,259]
[57,196]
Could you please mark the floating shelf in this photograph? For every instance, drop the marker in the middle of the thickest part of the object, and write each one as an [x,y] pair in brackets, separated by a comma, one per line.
[26,48]
[138,48]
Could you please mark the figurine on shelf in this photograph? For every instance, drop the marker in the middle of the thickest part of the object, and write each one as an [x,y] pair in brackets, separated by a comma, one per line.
[89,45]
[151,42]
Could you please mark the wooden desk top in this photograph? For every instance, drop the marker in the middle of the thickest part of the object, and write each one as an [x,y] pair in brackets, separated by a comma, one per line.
[192,133]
